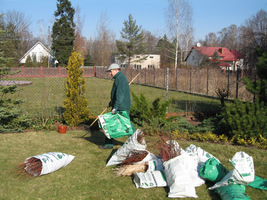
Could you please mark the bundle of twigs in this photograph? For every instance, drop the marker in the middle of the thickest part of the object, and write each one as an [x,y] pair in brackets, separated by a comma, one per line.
[168,149]
[129,170]
[128,166]
[31,166]
[135,156]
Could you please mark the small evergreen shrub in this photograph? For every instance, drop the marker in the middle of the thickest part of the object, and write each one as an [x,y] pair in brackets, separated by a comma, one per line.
[245,120]
[141,113]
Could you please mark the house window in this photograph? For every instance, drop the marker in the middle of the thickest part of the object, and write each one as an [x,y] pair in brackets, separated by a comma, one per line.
[137,66]
[137,56]
[151,57]
[193,57]
[150,66]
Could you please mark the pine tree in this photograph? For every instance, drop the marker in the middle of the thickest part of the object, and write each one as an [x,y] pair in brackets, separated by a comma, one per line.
[133,40]
[76,106]
[63,33]
[259,87]
[28,62]
[167,52]
[88,60]
[11,119]
[215,59]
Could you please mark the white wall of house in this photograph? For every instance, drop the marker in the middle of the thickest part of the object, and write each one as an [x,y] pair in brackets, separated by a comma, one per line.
[195,58]
[151,61]
[39,51]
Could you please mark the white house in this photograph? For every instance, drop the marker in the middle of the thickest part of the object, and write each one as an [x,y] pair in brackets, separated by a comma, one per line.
[140,61]
[37,52]
[228,59]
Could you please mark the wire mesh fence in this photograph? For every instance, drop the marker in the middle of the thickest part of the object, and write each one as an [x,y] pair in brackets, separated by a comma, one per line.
[43,89]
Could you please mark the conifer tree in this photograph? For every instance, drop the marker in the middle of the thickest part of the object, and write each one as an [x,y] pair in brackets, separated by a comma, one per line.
[215,59]
[28,62]
[63,32]
[88,60]
[11,118]
[133,40]
[259,87]
[76,106]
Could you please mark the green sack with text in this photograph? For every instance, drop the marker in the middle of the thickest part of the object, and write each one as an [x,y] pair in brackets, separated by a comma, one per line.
[115,125]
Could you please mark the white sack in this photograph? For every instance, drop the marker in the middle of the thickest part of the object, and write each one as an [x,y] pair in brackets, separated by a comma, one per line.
[178,178]
[233,177]
[149,179]
[192,167]
[198,154]
[53,161]
[131,145]
[243,163]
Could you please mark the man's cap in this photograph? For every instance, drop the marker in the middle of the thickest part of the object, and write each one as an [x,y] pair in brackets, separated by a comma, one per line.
[113,66]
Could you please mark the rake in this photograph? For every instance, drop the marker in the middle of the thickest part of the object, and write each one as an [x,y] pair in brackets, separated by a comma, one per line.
[107,107]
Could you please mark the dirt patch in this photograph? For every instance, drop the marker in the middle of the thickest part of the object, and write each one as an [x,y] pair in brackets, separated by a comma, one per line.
[189,116]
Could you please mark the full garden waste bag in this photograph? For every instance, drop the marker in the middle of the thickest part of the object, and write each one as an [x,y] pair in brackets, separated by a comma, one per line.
[213,170]
[115,125]
[232,192]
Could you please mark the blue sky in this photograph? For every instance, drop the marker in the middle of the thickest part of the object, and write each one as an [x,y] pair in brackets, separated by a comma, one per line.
[208,15]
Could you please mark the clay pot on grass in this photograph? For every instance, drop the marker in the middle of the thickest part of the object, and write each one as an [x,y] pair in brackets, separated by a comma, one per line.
[62,129]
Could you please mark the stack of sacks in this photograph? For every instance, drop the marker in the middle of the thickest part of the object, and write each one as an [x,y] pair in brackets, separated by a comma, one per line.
[243,172]
[147,172]
[230,185]
[134,144]
[182,175]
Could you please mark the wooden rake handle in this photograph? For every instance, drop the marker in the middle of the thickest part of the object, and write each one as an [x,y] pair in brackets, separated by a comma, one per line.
[108,106]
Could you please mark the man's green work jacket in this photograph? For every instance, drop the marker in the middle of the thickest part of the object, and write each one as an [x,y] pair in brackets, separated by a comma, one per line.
[120,93]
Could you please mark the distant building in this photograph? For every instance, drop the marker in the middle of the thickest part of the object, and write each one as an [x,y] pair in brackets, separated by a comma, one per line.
[140,61]
[228,59]
[37,52]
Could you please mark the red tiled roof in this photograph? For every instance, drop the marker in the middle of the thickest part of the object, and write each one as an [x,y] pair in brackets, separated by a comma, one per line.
[237,54]
[223,52]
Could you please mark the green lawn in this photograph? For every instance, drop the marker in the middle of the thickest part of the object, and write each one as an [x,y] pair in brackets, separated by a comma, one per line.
[45,96]
[87,177]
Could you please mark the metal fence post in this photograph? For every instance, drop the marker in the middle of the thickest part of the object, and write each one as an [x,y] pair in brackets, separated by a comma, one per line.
[154,76]
[167,87]
[145,76]
[190,79]
[207,81]
[176,78]
[237,79]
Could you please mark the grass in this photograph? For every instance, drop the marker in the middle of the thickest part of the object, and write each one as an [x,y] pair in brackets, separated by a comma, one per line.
[45,97]
[87,177]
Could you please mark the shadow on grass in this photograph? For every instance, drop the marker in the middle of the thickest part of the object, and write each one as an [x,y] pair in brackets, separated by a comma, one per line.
[195,106]
[213,195]
[98,138]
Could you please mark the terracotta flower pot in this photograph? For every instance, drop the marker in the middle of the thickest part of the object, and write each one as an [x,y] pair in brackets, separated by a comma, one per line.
[62,129]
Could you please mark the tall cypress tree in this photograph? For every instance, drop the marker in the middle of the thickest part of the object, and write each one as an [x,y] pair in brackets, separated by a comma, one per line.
[76,105]
[132,40]
[63,32]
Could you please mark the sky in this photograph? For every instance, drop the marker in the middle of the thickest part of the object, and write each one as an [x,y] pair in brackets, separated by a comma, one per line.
[208,15]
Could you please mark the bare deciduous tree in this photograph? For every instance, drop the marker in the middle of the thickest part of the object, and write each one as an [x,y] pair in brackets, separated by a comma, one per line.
[103,46]
[80,41]
[18,37]
[179,16]
[253,35]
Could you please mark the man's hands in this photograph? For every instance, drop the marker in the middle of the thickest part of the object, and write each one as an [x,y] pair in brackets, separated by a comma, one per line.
[114,111]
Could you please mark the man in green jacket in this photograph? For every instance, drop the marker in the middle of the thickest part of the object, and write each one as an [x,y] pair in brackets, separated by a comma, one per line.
[120,97]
